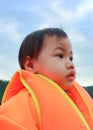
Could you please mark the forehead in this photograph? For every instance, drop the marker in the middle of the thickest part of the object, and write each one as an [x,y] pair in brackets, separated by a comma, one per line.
[54,41]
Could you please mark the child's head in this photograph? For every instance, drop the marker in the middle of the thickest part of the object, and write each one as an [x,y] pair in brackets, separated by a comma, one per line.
[48,52]
[32,44]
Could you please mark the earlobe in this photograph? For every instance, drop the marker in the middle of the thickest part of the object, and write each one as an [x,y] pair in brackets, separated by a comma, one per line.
[29,64]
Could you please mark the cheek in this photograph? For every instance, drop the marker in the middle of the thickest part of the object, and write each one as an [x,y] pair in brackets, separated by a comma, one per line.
[45,68]
[40,66]
[49,68]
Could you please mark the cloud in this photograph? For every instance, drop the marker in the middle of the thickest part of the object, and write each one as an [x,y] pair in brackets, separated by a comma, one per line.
[23,16]
[9,37]
[83,9]
[9,31]
[57,13]
[8,66]
[76,35]
[1,58]
[83,74]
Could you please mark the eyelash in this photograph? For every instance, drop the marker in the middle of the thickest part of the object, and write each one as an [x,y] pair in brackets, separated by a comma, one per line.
[61,56]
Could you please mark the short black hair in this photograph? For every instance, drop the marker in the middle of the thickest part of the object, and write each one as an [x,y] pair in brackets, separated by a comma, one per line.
[33,42]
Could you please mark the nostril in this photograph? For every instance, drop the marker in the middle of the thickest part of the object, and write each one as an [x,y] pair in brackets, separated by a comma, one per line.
[70,65]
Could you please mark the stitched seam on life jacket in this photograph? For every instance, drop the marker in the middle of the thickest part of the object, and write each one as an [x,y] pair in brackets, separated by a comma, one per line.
[33,97]
[89,109]
[68,99]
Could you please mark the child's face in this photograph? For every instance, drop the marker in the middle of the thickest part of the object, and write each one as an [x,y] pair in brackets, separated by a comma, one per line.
[55,61]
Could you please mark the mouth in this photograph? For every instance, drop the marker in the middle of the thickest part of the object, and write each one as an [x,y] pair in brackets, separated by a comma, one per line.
[71,76]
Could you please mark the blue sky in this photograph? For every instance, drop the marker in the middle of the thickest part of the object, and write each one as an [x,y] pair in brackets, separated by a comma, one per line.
[20,17]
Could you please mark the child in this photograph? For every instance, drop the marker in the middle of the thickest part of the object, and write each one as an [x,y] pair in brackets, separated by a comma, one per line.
[43,95]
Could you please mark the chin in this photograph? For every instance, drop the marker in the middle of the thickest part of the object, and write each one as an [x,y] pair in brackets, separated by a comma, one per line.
[67,86]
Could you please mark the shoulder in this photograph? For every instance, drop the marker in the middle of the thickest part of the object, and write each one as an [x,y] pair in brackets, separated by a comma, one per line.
[20,107]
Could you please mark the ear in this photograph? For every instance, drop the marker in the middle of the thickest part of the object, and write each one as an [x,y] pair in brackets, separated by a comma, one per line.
[29,64]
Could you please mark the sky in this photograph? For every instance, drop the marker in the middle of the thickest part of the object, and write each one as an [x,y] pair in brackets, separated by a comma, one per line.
[18,18]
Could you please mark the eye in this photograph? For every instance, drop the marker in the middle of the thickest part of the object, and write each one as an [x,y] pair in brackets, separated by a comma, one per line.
[71,58]
[60,55]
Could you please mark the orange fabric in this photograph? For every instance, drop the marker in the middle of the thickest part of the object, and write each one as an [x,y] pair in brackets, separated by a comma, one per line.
[20,109]
[80,103]
[56,112]
[8,124]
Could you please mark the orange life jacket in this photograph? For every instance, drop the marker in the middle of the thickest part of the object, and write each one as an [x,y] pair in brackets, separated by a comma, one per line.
[34,102]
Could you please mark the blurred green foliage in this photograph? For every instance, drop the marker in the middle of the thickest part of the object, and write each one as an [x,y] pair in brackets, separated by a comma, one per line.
[89,89]
[3,84]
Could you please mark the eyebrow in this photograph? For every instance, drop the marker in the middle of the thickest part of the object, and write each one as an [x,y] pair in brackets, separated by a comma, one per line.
[62,49]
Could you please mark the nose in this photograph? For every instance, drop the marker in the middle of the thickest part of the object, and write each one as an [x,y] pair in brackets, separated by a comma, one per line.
[70,65]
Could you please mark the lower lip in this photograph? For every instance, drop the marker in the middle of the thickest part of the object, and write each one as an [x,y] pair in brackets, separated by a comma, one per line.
[70,78]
